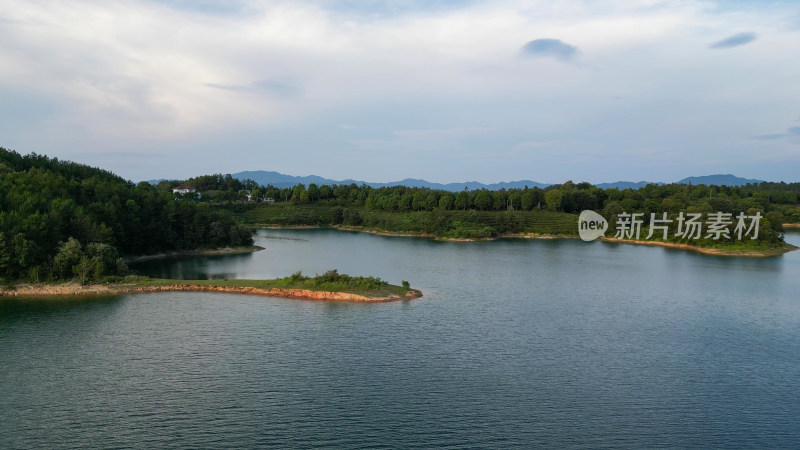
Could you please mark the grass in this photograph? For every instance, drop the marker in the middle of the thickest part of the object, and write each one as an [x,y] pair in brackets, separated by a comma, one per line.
[470,224]
[746,247]
[330,281]
[289,214]
[440,223]
[342,287]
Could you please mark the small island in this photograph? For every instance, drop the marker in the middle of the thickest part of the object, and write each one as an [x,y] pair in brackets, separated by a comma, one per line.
[330,286]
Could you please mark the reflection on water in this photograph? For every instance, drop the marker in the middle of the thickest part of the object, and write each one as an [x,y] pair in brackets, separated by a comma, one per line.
[12,309]
[192,268]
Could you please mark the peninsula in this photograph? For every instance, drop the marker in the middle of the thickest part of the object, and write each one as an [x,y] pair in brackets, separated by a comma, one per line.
[330,286]
[757,249]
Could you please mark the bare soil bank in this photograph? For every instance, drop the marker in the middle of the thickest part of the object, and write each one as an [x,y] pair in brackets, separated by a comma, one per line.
[75,289]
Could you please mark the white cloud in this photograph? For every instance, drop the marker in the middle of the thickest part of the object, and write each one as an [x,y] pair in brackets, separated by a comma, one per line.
[129,72]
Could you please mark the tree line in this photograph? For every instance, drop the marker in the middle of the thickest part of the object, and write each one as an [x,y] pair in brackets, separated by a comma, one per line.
[60,219]
[779,199]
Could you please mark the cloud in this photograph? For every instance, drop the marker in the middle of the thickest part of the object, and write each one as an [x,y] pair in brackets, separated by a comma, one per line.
[424,141]
[770,137]
[735,41]
[268,79]
[792,133]
[276,87]
[553,48]
[124,154]
[392,8]
[204,6]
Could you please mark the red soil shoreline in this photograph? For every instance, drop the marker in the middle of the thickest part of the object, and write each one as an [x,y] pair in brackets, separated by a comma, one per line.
[74,289]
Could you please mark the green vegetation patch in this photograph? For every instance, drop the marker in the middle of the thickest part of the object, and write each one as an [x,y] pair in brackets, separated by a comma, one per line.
[60,220]
[439,222]
[330,281]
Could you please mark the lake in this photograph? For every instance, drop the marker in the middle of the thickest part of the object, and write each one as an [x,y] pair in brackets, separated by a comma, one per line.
[516,343]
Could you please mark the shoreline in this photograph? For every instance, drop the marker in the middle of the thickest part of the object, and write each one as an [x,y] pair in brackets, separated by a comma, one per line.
[358,229]
[197,252]
[755,253]
[72,289]
[706,250]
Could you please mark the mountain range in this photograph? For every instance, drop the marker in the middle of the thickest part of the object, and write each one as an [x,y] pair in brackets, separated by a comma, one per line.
[280,180]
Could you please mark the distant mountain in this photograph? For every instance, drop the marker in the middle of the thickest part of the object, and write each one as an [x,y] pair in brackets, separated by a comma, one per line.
[625,184]
[719,180]
[280,180]
[709,180]
[455,187]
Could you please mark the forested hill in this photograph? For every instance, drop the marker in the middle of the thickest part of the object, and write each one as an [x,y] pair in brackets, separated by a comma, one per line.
[13,161]
[59,217]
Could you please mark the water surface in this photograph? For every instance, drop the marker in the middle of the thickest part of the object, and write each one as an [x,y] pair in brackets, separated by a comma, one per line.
[516,343]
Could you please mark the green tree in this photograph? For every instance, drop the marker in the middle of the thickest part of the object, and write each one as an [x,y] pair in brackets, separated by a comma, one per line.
[216,233]
[431,201]
[313,192]
[499,200]
[405,202]
[528,201]
[446,201]
[68,256]
[462,200]
[297,191]
[87,269]
[256,194]
[107,256]
[325,192]
[483,200]
[553,199]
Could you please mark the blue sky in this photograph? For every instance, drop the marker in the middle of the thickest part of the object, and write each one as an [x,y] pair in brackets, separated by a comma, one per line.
[447,90]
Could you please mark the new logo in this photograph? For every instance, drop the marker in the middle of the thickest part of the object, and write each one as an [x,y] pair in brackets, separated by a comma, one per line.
[591,225]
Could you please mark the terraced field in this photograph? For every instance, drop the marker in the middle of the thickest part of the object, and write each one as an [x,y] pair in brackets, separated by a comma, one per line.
[443,223]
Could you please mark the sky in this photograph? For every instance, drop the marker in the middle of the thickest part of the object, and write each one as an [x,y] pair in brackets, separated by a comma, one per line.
[448,90]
